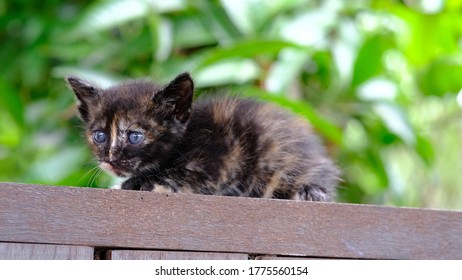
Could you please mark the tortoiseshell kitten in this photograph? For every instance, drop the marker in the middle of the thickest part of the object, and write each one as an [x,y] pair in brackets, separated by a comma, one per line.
[159,140]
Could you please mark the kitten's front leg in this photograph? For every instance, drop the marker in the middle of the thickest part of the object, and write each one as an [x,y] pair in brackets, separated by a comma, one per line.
[136,184]
[142,185]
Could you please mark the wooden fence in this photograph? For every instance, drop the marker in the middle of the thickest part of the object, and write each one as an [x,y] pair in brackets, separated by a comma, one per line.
[42,222]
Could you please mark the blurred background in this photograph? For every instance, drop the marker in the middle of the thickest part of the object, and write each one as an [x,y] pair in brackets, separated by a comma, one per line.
[379,80]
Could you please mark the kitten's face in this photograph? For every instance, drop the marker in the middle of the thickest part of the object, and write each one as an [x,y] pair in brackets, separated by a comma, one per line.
[132,127]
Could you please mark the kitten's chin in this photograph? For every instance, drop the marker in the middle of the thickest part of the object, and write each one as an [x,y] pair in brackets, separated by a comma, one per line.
[111,169]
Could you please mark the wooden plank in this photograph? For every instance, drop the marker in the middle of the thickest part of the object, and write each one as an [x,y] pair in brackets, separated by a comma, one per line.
[172,255]
[23,251]
[143,220]
[273,257]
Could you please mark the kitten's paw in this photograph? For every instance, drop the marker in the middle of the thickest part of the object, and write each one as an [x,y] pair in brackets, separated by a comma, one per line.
[312,192]
[137,185]
[162,189]
[131,184]
[116,187]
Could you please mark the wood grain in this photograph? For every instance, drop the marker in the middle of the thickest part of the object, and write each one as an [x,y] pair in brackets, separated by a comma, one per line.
[171,255]
[142,220]
[21,251]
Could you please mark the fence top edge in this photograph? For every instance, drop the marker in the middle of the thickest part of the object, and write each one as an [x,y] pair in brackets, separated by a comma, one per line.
[226,198]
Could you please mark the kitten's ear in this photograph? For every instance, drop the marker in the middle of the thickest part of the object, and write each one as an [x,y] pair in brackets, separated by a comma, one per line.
[178,95]
[85,92]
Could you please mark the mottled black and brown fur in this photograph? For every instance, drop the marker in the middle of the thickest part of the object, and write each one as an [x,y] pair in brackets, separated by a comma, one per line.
[228,146]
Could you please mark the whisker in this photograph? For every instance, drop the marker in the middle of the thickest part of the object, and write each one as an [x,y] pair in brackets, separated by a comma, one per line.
[97,170]
[92,170]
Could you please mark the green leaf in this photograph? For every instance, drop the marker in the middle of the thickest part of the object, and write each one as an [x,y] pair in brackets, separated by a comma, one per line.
[424,148]
[247,49]
[189,32]
[429,36]
[286,69]
[98,78]
[10,101]
[215,19]
[161,36]
[396,121]
[441,77]
[239,12]
[298,28]
[235,71]
[10,132]
[104,15]
[250,16]
[369,174]
[369,60]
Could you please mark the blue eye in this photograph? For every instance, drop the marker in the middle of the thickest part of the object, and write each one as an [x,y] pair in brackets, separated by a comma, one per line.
[99,136]
[135,137]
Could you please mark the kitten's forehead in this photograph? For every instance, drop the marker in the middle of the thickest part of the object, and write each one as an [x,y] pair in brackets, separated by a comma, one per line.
[125,98]
[120,119]
[133,89]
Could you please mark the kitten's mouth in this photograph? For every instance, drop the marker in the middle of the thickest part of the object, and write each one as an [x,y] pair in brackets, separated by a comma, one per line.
[109,167]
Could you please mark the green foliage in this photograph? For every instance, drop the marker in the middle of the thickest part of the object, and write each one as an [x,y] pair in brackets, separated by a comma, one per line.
[378,80]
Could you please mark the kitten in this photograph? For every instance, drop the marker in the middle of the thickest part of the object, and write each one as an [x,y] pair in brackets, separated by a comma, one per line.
[159,140]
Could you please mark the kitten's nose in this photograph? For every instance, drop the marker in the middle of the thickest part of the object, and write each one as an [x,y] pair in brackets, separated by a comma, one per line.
[113,157]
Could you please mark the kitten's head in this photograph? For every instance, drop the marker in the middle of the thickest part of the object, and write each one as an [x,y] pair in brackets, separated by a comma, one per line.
[133,127]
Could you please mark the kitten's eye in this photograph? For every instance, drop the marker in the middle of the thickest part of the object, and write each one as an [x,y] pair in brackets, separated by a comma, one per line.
[99,136]
[135,137]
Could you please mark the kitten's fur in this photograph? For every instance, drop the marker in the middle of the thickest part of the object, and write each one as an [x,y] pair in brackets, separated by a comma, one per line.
[231,146]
